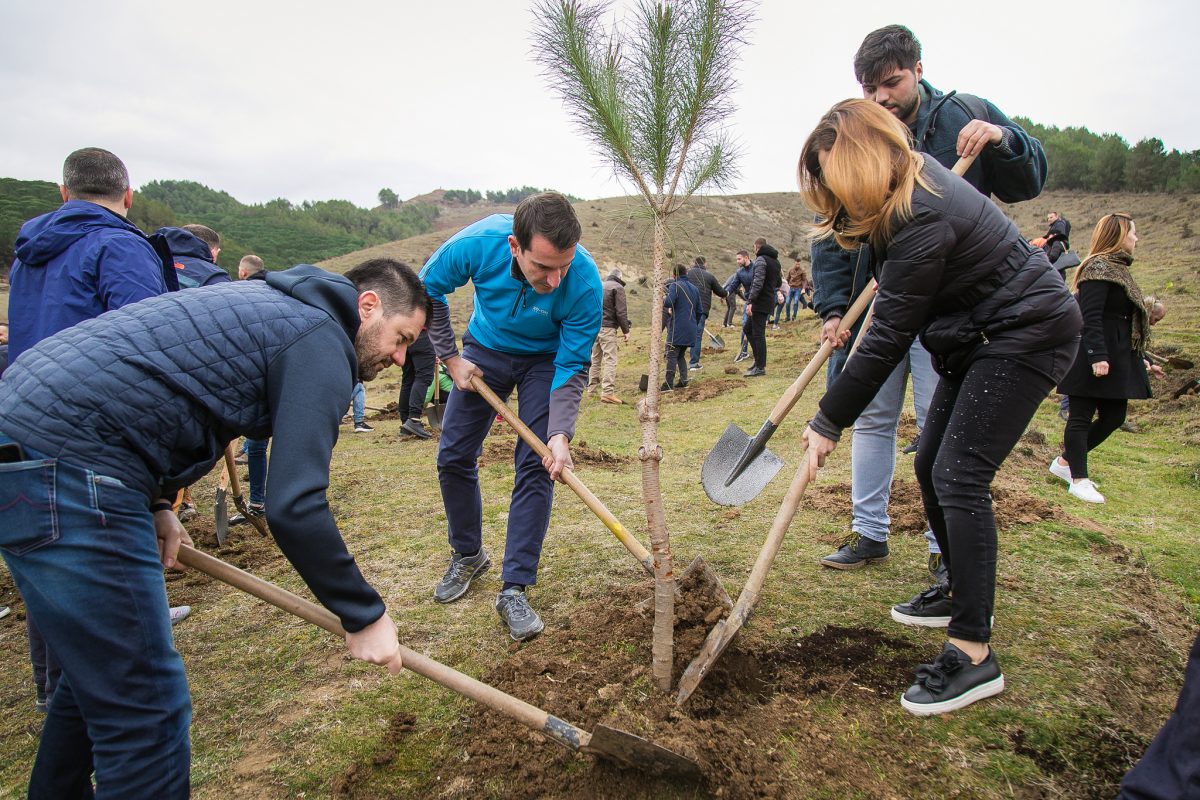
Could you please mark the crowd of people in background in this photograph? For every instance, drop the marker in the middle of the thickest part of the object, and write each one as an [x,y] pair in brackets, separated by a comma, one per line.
[120,391]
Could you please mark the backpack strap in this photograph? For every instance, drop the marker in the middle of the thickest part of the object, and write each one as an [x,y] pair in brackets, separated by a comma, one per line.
[972,104]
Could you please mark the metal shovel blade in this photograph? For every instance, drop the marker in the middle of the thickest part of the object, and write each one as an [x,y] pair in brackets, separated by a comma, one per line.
[221,515]
[638,753]
[433,412]
[724,458]
[717,341]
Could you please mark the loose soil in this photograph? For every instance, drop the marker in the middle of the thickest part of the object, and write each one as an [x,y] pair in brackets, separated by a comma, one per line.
[698,390]
[499,449]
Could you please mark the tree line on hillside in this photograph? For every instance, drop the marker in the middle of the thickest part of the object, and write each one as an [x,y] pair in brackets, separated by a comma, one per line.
[282,233]
[500,197]
[1092,162]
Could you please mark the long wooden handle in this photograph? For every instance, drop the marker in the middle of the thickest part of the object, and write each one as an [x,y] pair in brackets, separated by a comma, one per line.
[568,477]
[790,397]
[235,483]
[963,164]
[528,715]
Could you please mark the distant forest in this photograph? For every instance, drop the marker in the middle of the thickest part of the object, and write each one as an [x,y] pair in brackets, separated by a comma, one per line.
[284,234]
[281,233]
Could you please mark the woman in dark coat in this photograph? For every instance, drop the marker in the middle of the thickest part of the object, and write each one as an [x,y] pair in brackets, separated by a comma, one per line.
[1110,369]
[1002,330]
[681,305]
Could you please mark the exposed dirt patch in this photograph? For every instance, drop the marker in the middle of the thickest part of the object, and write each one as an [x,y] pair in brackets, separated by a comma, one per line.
[500,449]
[1090,754]
[244,548]
[350,783]
[390,411]
[704,390]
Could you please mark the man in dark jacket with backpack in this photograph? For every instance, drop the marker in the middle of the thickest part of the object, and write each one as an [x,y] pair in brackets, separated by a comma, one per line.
[194,249]
[761,299]
[1009,163]
[102,422]
[707,285]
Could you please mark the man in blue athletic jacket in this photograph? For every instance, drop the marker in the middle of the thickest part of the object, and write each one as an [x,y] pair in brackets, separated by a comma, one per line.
[102,422]
[536,314]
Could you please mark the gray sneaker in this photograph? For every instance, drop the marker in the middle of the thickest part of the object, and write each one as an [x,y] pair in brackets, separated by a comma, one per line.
[856,551]
[522,621]
[459,574]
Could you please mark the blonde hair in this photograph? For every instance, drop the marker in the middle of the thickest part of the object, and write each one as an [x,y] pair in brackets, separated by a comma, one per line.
[864,189]
[1108,238]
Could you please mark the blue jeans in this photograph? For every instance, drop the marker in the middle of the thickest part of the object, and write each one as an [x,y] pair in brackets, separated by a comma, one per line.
[256,462]
[793,304]
[465,424]
[695,359]
[82,550]
[873,448]
[358,402]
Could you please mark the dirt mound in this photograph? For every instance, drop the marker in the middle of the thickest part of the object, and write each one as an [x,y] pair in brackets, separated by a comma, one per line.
[244,548]
[499,450]
[390,411]
[704,390]
[350,783]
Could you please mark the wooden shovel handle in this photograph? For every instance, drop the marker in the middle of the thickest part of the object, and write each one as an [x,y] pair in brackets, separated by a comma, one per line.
[452,679]
[568,477]
[792,395]
[235,483]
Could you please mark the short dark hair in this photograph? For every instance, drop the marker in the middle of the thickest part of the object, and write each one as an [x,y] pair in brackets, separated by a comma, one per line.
[253,263]
[680,270]
[549,214]
[95,174]
[700,261]
[891,47]
[204,234]
[758,243]
[398,287]
[743,253]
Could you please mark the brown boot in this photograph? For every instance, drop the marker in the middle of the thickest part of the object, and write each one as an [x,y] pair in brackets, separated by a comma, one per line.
[612,399]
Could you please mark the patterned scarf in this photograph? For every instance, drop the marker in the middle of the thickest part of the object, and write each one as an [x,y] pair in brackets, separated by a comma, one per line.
[1114,268]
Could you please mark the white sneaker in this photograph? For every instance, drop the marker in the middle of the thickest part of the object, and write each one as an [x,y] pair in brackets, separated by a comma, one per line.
[179,613]
[1086,491]
[1060,470]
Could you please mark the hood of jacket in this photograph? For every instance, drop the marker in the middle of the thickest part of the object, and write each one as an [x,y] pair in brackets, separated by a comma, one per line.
[44,238]
[615,276]
[186,244]
[333,294]
[768,251]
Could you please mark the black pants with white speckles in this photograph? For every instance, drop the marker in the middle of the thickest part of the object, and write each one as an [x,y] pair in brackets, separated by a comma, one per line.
[972,426]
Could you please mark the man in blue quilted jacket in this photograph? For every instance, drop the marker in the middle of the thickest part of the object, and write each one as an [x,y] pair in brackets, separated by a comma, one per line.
[102,422]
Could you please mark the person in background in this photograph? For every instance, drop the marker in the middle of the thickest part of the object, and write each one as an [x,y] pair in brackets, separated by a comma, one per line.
[761,298]
[1001,328]
[614,318]
[1111,367]
[251,266]
[797,277]
[358,409]
[1058,236]
[706,285]
[731,297]
[741,282]
[419,369]
[681,307]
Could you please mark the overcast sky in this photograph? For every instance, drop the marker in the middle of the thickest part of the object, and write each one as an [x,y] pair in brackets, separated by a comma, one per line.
[321,100]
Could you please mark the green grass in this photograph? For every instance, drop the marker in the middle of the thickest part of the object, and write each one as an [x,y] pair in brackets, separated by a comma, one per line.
[1095,606]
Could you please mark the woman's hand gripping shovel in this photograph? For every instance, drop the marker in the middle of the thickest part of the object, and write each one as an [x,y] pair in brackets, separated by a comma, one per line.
[603,741]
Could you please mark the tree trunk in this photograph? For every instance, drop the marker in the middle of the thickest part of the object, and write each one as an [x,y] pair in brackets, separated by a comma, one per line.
[650,454]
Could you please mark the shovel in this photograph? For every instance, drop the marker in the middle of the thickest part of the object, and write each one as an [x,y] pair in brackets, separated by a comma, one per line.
[434,412]
[1174,361]
[724,631]
[738,467]
[221,508]
[605,742]
[258,522]
[717,342]
[707,576]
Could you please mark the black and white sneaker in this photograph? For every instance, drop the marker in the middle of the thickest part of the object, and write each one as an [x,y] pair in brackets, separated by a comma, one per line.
[929,609]
[362,427]
[952,682]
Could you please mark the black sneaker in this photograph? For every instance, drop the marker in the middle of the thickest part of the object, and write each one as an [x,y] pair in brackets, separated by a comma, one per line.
[694,367]
[754,372]
[929,609]
[414,427]
[952,682]
[522,621]
[362,427]
[666,387]
[911,447]
[255,511]
[939,571]
[857,551]
[459,574]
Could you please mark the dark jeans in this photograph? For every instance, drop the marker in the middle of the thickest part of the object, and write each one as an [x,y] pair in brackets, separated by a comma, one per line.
[465,424]
[256,463]
[1084,434]
[419,368]
[730,309]
[82,550]
[795,301]
[778,311]
[46,671]
[1170,768]
[677,358]
[973,424]
[699,341]
[756,332]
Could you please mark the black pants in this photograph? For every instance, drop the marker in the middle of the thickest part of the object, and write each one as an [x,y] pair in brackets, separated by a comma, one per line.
[730,309]
[973,424]
[677,357]
[419,366]
[1170,768]
[756,333]
[1084,434]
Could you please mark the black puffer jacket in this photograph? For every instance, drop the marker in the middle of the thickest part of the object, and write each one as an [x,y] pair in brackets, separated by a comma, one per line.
[960,275]
[766,264]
